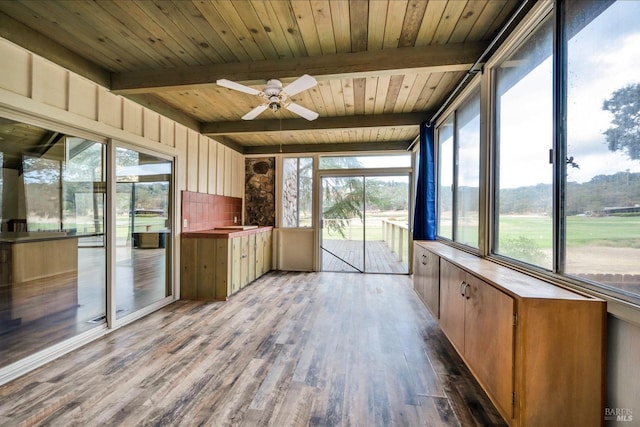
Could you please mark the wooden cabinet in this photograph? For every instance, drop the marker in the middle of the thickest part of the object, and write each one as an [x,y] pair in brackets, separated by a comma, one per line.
[38,276]
[213,268]
[264,251]
[452,304]
[426,274]
[479,321]
[536,348]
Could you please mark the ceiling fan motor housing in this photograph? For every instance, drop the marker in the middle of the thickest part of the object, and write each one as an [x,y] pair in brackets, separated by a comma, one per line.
[274,87]
[272,92]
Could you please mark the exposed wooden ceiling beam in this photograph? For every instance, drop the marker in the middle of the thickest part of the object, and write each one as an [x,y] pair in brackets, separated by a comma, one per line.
[322,123]
[229,143]
[327,148]
[437,58]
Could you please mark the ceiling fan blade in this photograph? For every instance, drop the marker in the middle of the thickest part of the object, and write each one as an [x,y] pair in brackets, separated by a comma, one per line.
[301,111]
[255,112]
[303,82]
[237,86]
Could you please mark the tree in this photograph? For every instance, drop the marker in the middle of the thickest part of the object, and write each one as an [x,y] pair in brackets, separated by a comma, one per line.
[624,132]
[343,201]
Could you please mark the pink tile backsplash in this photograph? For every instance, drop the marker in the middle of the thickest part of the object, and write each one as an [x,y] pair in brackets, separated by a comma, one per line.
[208,211]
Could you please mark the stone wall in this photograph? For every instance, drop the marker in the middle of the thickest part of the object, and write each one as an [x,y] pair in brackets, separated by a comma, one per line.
[260,200]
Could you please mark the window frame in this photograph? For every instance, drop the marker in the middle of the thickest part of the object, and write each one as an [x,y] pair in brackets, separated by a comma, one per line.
[474,88]
[621,302]
[560,83]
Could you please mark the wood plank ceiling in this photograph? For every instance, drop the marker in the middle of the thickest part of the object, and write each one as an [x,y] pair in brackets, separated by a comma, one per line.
[382,65]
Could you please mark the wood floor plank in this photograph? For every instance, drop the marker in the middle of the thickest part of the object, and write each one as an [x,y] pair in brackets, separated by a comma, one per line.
[292,349]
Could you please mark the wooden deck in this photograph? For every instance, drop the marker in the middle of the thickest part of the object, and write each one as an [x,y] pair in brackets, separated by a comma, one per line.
[379,257]
[293,349]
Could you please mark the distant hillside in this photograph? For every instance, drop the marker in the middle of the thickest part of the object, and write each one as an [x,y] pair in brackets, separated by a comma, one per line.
[618,190]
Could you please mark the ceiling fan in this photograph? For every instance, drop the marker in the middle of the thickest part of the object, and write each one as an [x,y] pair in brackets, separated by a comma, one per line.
[275,96]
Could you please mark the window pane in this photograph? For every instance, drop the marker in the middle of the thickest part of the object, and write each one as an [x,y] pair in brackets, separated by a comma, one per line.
[143,218]
[297,189]
[523,199]
[365,162]
[42,184]
[468,180]
[290,192]
[603,144]
[305,190]
[445,179]
[52,248]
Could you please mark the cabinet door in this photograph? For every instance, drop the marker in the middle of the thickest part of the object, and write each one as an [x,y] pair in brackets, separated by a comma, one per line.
[452,303]
[251,258]
[268,251]
[419,270]
[260,254]
[489,339]
[206,260]
[188,269]
[431,282]
[223,268]
[236,264]
[244,260]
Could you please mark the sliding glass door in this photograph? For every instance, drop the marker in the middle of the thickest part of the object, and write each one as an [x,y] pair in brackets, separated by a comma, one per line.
[143,221]
[342,237]
[364,225]
[53,282]
[386,224]
[58,241]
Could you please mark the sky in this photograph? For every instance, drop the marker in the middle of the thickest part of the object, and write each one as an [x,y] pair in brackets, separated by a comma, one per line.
[603,57]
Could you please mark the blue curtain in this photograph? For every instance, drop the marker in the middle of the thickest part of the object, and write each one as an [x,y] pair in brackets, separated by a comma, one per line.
[424,221]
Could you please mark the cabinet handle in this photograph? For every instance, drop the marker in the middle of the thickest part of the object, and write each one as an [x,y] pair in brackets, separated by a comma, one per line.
[424,259]
[464,291]
[462,284]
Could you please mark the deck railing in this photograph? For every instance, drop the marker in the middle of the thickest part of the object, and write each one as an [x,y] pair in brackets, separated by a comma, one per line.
[396,236]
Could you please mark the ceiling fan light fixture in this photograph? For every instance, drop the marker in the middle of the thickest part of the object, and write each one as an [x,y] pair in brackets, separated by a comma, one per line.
[274,106]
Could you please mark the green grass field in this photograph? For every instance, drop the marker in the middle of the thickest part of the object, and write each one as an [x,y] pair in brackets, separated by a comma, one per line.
[611,231]
[581,231]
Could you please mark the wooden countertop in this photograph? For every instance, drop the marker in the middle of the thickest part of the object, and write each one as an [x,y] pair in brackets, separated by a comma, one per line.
[37,236]
[224,234]
[508,280]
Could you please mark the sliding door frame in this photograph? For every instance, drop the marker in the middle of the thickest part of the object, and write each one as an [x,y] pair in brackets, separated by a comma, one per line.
[346,173]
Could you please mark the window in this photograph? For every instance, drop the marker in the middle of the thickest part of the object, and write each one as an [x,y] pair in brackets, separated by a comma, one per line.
[602,212]
[565,150]
[445,179]
[297,180]
[459,173]
[366,162]
[467,195]
[523,196]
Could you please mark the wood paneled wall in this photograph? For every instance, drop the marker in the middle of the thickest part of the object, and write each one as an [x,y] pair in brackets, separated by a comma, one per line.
[46,90]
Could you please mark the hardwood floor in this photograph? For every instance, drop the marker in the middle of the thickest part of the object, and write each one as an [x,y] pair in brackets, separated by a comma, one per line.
[292,349]
[140,281]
